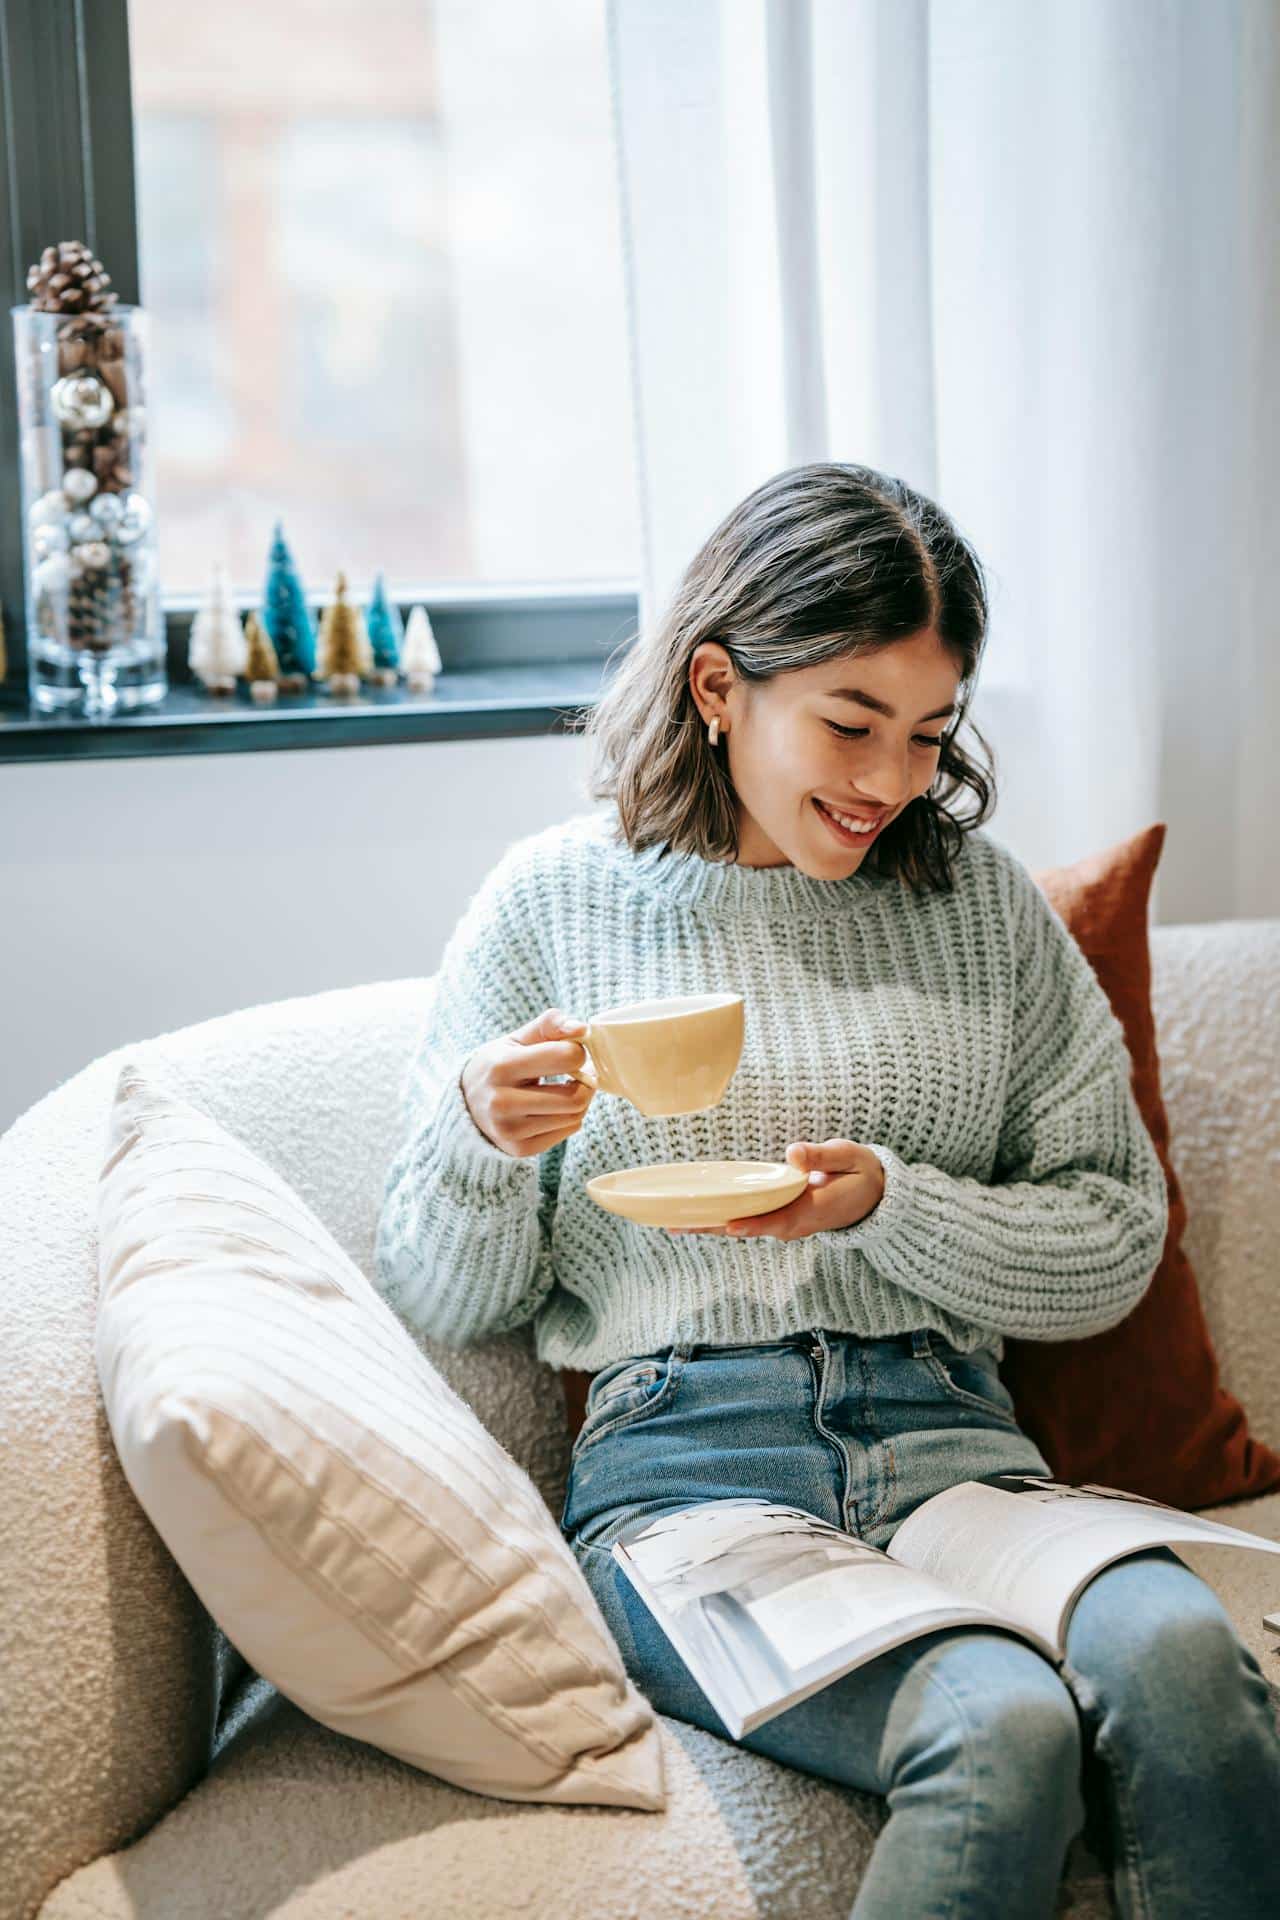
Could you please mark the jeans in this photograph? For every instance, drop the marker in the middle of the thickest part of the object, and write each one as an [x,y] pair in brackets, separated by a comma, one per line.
[1157,1740]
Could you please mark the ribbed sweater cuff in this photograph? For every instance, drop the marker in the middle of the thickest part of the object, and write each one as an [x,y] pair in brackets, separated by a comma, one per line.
[891,1212]
[464,1150]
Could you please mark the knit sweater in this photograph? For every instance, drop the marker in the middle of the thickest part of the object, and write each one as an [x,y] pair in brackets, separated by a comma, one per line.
[963,1036]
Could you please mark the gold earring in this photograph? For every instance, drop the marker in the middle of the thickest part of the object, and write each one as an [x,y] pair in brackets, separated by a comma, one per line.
[713,731]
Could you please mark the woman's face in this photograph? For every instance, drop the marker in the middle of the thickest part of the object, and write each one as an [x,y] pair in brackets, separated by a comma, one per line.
[796,741]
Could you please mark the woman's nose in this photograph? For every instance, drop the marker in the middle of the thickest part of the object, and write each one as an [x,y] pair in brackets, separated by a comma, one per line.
[886,779]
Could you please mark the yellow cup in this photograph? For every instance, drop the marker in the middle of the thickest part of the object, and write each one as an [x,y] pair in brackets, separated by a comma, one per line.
[666,1056]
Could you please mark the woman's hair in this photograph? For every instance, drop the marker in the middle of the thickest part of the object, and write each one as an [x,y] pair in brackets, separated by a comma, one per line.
[822,562]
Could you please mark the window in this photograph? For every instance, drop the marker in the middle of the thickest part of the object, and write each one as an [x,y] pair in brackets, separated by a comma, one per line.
[378,240]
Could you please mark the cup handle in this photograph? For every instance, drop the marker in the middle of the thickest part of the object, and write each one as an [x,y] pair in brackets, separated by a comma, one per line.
[587,1074]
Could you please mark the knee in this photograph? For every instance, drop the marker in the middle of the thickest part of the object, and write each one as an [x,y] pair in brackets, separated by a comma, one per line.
[1008,1732]
[1031,1743]
[1149,1625]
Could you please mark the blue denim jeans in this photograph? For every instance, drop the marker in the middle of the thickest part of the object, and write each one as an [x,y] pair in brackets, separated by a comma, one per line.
[1157,1740]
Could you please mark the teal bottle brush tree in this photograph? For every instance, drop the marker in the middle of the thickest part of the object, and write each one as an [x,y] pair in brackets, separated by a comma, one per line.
[287,619]
[386,635]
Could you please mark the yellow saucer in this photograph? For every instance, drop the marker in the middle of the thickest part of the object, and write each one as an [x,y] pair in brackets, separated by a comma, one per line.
[697,1193]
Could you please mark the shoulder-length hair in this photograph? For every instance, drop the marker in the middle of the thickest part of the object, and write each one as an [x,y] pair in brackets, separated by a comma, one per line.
[822,562]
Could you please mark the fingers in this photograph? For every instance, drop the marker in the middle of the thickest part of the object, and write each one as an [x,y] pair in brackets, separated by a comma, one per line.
[500,1084]
[521,1064]
[549,1103]
[542,1046]
[752,1224]
[548,1025]
[830,1156]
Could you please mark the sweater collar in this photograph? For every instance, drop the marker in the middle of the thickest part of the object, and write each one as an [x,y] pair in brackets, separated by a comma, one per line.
[725,886]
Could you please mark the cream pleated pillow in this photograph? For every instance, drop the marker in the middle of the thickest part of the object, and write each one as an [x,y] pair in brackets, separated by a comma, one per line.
[351,1526]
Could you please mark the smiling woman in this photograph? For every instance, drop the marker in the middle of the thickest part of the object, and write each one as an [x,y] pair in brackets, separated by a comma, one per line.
[925,1038]
[719,734]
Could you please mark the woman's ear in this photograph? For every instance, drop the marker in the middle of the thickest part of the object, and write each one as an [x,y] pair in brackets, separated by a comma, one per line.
[711,676]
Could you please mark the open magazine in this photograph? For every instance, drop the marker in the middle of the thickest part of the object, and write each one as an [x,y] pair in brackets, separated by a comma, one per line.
[766,1604]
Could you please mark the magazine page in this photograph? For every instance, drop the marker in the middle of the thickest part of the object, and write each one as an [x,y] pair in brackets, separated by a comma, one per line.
[1028,1546]
[766,1604]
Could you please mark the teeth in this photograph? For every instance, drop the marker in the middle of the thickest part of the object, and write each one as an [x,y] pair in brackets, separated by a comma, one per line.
[854,826]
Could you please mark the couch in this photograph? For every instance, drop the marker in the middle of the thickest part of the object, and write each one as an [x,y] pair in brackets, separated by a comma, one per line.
[145,1771]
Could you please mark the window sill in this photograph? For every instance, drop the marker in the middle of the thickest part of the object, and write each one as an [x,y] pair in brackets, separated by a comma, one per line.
[495,701]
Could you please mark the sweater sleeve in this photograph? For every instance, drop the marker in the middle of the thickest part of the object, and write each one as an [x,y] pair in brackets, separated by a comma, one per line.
[1066,1239]
[463,1242]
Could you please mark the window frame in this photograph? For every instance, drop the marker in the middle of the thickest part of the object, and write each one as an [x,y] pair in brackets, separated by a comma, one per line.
[67,172]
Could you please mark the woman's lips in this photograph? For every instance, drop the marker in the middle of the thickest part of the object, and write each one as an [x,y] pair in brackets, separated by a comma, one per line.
[842,834]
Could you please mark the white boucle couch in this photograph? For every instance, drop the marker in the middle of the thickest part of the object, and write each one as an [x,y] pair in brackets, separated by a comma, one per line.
[144,1772]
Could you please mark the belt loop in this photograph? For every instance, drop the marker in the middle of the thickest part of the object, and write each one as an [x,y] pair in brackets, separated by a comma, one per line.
[920,1347]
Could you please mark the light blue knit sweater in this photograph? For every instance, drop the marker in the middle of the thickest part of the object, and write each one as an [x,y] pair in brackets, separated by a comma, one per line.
[963,1036]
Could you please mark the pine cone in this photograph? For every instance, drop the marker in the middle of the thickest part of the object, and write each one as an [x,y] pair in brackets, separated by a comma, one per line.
[67,279]
[113,376]
[83,341]
[100,607]
[84,600]
[128,599]
[111,464]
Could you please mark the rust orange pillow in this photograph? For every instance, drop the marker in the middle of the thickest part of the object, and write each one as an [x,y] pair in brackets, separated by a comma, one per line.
[575,1384]
[1140,1406]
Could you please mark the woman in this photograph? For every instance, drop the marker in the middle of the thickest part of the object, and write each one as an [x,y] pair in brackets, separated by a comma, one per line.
[926,1039]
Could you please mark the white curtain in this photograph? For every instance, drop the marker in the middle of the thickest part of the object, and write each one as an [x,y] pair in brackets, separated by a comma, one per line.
[1025,254]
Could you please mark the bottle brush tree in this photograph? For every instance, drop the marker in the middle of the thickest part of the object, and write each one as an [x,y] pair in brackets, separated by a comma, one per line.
[262,669]
[216,645]
[287,618]
[420,656]
[343,643]
[386,634]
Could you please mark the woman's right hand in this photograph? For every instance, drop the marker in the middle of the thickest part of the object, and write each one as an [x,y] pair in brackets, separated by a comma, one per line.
[499,1084]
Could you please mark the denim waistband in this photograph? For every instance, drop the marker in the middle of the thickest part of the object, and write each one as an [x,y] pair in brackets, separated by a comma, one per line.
[914,1342]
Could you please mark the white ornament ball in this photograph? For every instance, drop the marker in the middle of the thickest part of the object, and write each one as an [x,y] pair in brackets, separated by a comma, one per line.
[52,575]
[93,554]
[81,400]
[47,540]
[50,507]
[135,518]
[107,510]
[82,526]
[79,485]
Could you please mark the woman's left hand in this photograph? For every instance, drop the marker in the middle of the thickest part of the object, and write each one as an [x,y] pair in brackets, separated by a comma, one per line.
[845,1183]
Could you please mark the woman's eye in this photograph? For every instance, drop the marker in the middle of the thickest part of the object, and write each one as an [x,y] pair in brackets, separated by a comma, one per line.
[856,733]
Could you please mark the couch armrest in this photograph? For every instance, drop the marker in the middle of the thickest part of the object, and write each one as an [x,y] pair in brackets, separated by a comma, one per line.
[111,1665]
[1215,991]
[115,1675]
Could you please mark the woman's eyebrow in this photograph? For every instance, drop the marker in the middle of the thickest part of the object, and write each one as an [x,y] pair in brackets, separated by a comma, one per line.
[879,706]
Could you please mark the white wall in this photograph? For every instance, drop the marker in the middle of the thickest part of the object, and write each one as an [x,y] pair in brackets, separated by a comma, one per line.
[137,896]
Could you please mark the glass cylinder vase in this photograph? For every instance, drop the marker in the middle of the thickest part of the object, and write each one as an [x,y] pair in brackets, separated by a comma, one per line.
[95,628]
